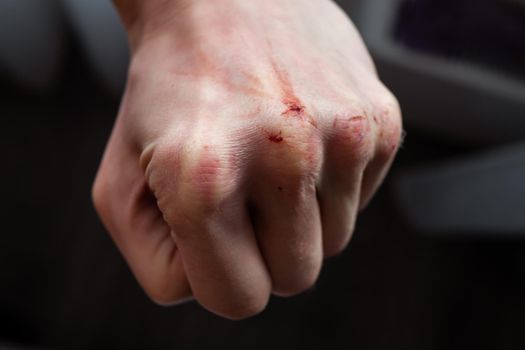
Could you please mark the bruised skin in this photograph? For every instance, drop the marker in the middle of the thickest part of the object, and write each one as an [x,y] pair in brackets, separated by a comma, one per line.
[249,135]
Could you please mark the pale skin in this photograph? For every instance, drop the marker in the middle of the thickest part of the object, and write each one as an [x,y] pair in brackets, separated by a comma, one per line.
[250,135]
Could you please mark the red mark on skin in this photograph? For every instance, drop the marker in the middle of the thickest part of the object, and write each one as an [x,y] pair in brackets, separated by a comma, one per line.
[276,138]
[294,106]
[356,125]
[280,188]
[391,134]
[206,173]
[207,170]
[396,139]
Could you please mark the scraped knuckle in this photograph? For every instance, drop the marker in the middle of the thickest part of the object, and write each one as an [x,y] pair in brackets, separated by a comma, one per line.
[353,136]
[352,129]
[208,177]
[196,175]
[388,115]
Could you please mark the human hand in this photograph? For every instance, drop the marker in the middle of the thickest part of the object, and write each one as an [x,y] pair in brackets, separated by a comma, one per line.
[249,136]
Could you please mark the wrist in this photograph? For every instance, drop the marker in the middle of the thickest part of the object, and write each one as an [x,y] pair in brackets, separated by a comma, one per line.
[153,18]
[140,18]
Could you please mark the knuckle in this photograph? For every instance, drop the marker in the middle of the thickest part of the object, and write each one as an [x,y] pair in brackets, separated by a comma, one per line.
[208,178]
[388,118]
[161,165]
[194,177]
[352,129]
[353,136]
[392,141]
[298,153]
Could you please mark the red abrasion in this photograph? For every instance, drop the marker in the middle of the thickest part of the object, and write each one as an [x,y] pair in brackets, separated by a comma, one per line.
[357,126]
[206,173]
[294,106]
[276,138]
[396,138]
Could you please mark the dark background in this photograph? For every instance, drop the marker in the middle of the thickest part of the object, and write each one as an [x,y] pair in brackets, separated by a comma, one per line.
[63,284]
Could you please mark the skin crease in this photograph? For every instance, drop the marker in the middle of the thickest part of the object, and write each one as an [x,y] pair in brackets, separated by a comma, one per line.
[249,136]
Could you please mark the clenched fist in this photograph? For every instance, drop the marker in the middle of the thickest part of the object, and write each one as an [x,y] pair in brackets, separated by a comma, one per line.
[249,136]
